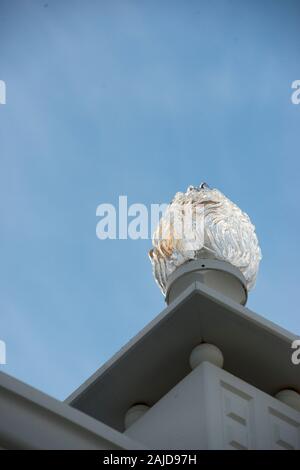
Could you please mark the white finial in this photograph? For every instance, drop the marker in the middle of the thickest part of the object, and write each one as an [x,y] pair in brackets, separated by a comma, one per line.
[203,223]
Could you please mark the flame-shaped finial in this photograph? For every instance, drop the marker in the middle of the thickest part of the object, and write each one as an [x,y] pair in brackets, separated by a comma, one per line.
[203,223]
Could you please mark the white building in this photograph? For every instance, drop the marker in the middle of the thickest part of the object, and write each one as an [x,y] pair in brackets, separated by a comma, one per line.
[148,396]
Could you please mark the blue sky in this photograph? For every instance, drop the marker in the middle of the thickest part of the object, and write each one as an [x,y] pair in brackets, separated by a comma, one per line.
[140,98]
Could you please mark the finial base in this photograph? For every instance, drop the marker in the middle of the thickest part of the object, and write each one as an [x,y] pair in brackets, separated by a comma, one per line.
[218,275]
